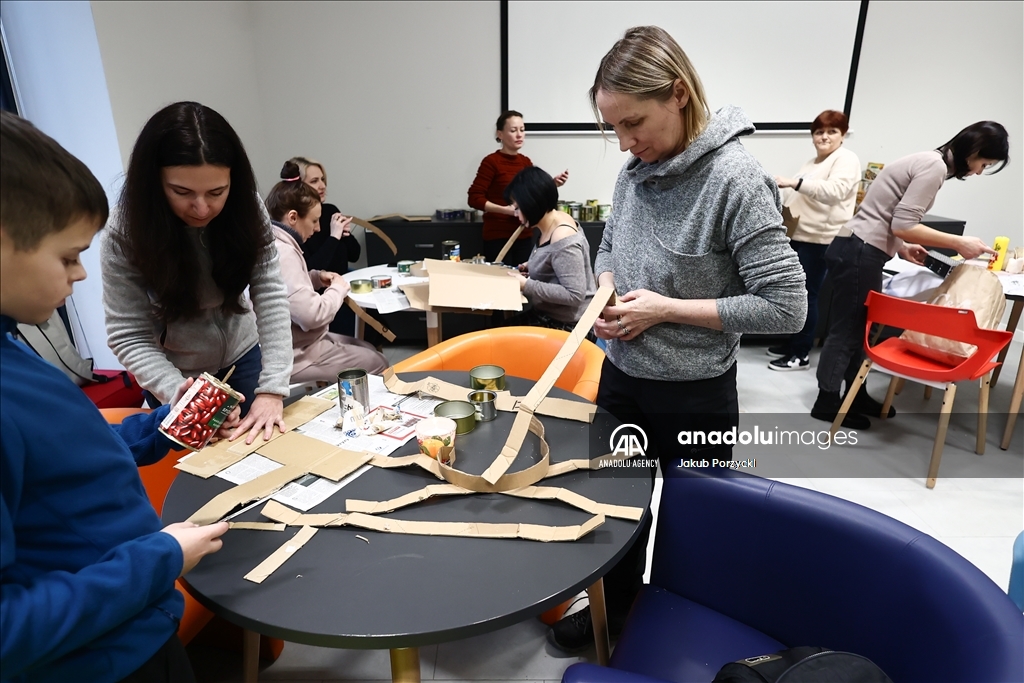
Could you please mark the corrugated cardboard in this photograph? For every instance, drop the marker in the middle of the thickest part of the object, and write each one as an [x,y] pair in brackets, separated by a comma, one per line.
[280,556]
[473,286]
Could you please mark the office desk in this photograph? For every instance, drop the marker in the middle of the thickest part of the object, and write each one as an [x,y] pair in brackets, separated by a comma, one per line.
[400,592]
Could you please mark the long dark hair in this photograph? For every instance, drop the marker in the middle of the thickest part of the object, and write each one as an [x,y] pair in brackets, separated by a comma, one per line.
[155,241]
[987,139]
[291,194]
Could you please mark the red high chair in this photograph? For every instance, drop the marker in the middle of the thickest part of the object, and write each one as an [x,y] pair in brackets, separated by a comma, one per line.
[902,359]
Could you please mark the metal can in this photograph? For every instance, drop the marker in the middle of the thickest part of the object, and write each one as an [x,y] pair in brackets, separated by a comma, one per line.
[450,250]
[381,281]
[587,213]
[574,209]
[195,418]
[604,212]
[592,202]
[563,207]
[404,267]
[361,286]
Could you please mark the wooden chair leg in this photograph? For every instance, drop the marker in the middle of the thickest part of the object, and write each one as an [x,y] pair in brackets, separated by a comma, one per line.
[983,392]
[900,382]
[927,392]
[1011,325]
[940,435]
[1018,392]
[851,393]
[893,383]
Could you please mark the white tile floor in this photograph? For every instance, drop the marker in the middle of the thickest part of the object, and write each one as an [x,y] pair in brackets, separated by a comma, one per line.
[978,518]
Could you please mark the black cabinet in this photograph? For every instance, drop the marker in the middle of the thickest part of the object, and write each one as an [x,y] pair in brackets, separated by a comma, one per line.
[417,240]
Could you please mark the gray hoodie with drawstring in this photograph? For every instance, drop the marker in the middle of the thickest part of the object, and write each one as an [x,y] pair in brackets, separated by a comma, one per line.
[705,224]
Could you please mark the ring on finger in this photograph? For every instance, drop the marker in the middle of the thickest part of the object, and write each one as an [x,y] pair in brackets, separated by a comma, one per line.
[625,331]
[619,323]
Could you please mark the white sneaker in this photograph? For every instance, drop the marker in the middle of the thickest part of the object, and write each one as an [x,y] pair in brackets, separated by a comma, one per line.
[790,363]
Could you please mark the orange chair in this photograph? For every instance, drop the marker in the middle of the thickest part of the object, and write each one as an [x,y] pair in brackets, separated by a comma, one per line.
[157,479]
[522,351]
[901,359]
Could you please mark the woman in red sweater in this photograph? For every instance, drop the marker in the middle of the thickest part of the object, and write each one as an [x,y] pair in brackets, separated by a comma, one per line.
[487,193]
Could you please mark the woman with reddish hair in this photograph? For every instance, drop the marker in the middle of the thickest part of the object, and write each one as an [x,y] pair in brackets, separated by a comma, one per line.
[821,197]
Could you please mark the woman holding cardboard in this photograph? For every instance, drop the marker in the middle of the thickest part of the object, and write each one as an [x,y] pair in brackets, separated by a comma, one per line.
[697,253]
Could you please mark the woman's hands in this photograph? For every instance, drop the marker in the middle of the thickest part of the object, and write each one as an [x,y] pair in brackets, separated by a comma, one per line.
[196,541]
[635,312]
[327,278]
[972,247]
[519,277]
[914,253]
[784,182]
[267,412]
[562,178]
[341,226]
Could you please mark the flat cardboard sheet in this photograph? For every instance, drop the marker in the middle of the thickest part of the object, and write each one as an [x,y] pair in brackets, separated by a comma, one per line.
[281,555]
[470,285]
[257,526]
[213,459]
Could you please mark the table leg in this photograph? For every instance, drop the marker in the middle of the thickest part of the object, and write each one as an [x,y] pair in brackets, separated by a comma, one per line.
[405,665]
[250,656]
[1011,325]
[599,618]
[1018,392]
[433,328]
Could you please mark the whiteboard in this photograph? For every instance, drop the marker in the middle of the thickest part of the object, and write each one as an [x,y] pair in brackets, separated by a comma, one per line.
[783,63]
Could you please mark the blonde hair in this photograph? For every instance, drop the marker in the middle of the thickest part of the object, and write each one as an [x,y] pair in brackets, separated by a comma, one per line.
[304,163]
[645,63]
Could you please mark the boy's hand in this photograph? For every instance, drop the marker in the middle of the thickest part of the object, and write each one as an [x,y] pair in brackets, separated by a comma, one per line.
[229,424]
[196,541]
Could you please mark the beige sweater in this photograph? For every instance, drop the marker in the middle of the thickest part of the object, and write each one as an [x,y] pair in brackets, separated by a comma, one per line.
[311,313]
[826,198]
[898,199]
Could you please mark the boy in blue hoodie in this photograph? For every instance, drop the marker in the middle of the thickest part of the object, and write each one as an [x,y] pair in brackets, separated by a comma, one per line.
[86,571]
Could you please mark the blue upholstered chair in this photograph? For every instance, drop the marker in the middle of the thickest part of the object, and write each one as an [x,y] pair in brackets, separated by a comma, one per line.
[1016,590]
[746,566]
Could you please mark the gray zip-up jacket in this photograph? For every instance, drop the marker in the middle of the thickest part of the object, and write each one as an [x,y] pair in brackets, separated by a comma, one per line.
[161,357]
[705,224]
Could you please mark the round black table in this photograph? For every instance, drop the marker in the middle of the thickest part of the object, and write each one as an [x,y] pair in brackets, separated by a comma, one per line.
[403,591]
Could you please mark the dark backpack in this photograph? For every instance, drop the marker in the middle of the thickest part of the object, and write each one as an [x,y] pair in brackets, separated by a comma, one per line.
[803,665]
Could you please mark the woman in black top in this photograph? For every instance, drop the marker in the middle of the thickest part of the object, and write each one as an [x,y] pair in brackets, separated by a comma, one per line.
[334,246]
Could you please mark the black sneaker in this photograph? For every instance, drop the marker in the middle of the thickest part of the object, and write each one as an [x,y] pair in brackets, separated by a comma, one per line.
[788,363]
[865,405]
[827,406]
[777,351]
[575,633]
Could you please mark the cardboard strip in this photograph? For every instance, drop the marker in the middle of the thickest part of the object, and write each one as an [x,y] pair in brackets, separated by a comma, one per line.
[423,461]
[281,555]
[222,454]
[258,526]
[578,501]
[552,407]
[318,457]
[508,245]
[371,507]
[369,319]
[260,487]
[380,233]
[530,532]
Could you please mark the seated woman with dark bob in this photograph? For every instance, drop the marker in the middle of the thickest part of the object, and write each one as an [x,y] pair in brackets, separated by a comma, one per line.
[319,355]
[558,279]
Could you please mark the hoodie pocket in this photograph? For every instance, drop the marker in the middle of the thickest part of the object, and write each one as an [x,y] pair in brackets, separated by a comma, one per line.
[710,275]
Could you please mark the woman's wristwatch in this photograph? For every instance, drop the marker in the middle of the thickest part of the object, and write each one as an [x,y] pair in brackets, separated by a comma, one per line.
[799,182]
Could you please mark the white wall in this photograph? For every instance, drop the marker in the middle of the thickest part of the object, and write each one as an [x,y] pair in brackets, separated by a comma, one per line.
[56,61]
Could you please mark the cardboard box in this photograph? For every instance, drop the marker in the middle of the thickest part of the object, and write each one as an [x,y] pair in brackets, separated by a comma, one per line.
[465,286]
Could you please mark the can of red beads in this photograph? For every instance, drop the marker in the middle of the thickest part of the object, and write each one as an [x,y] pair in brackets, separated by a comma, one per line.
[194,419]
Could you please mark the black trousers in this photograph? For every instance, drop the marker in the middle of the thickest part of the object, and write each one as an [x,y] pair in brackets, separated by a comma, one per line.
[170,664]
[856,269]
[662,409]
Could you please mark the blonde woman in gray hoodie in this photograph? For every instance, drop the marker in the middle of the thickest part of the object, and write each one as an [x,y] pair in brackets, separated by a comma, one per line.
[697,253]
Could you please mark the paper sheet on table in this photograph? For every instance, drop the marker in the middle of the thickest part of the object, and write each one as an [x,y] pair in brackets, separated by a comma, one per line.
[390,300]
[303,494]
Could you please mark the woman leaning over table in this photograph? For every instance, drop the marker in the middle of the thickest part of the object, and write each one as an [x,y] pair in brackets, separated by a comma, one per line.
[889,223]
[190,236]
[821,197]
[696,251]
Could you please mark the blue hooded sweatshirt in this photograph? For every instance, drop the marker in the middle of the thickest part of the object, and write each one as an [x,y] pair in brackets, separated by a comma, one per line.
[86,576]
